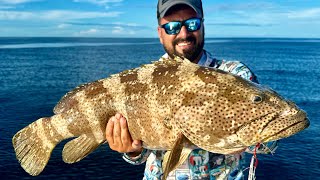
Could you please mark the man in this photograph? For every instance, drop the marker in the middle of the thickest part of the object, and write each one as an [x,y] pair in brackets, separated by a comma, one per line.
[181,31]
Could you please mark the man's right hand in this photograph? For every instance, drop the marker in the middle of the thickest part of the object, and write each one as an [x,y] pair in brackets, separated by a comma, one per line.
[119,138]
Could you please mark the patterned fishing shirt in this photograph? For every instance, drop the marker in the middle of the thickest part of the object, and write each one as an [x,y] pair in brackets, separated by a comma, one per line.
[202,164]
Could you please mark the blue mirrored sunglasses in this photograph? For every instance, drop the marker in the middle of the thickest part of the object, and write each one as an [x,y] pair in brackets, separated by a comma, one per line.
[174,27]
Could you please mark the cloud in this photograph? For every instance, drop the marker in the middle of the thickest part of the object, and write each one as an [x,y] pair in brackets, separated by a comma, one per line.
[240,7]
[6,7]
[112,25]
[16,15]
[117,28]
[62,26]
[17,1]
[89,32]
[54,15]
[267,12]
[305,14]
[120,30]
[104,3]
[99,2]
[239,24]
[61,14]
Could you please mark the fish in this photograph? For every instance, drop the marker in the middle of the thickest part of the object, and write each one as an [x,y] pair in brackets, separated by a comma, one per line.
[170,104]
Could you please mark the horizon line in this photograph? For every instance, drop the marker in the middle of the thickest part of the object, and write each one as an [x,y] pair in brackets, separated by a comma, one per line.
[97,37]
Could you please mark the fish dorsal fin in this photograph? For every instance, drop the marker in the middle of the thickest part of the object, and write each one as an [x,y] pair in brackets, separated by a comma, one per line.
[79,148]
[70,99]
[174,158]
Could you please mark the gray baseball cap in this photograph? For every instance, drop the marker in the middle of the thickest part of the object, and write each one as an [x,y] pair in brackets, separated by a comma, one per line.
[165,5]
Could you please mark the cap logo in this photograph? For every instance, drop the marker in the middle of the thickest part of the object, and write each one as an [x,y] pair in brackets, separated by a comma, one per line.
[164,1]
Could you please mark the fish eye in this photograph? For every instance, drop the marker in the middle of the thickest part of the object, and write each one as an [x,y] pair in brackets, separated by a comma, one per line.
[257,99]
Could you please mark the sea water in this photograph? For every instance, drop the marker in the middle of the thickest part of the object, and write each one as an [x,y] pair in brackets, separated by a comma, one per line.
[36,72]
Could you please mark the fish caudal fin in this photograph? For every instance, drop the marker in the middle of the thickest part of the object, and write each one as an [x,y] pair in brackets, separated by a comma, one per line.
[33,147]
[79,148]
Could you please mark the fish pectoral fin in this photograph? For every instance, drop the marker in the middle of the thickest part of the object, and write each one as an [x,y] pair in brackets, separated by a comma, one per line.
[184,155]
[79,148]
[174,158]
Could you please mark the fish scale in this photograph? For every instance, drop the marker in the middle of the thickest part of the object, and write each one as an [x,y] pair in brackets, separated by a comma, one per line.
[172,105]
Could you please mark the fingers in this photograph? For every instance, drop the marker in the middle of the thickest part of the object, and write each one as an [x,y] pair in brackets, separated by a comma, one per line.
[136,145]
[109,131]
[125,135]
[118,135]
[118,116]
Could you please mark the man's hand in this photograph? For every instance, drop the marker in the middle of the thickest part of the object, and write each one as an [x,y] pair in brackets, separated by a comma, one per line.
[119,138]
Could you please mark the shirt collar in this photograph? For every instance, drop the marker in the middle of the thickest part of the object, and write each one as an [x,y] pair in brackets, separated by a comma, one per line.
[205,60]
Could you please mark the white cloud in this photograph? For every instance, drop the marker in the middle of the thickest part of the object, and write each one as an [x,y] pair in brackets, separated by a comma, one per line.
[17,1]
[6,7]
[62,26]
[104,3]
[57,14]
[240,7]
[88,32]
[305,14]
[16,15]
[54,15]
[127,24]
[117,30]
[99,2]
[261,13]
[120,30]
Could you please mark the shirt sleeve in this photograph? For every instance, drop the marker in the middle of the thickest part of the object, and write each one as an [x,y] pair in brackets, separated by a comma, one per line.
[238,68]
[140,159]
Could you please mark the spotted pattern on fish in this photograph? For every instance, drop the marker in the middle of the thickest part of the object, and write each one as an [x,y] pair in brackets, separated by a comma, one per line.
[165,103]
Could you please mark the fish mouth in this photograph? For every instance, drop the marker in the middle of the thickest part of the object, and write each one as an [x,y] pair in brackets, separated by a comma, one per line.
[300,122]
[272,126]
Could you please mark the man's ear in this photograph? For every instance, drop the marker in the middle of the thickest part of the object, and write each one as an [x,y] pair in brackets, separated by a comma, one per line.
[160,34]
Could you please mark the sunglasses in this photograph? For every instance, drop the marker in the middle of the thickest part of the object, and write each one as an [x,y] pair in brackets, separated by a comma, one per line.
[174,27]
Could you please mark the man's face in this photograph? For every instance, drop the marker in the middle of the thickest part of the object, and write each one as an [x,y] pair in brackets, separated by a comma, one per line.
[186,44]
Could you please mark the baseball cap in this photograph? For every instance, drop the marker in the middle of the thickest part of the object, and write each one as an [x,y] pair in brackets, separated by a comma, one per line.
[165,5]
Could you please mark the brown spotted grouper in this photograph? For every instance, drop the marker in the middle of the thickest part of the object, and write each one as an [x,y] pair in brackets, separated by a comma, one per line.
[170,105]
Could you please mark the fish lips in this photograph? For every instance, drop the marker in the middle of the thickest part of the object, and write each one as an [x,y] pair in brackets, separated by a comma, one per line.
[276,128]
[299,122]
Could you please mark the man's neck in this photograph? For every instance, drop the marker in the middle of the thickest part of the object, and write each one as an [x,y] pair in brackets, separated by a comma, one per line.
[196,61]
[198,58]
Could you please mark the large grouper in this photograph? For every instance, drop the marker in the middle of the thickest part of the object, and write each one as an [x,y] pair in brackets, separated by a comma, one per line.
[172,105]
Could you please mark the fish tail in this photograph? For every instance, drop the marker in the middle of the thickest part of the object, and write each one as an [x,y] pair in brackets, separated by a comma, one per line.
[33,145]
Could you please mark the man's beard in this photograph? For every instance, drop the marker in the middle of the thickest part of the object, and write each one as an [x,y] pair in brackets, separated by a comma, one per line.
[189,54]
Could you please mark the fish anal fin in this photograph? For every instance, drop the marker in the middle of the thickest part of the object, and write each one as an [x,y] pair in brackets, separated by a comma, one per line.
[175,157]
[78,148]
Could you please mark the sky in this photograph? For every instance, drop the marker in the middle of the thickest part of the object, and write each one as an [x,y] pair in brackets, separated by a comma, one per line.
[137,18]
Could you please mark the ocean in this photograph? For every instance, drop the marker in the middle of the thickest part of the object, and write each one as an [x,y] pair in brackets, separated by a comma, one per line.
[36,72]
